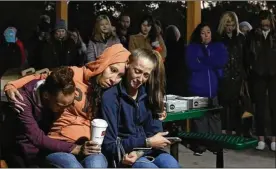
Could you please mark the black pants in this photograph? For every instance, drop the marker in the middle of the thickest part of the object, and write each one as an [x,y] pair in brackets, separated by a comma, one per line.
[210,123]
[262,85]
[229,93]
[231,117]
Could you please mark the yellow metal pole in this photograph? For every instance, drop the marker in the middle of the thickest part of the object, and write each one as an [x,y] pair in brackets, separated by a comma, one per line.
[193,16]
[193,19]
[62,10]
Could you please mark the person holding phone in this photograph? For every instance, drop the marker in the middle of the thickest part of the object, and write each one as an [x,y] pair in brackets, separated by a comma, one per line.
[131,109]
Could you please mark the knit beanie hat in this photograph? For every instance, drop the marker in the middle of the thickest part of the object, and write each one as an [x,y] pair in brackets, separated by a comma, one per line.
[10,34]
[244,23]
[61,24]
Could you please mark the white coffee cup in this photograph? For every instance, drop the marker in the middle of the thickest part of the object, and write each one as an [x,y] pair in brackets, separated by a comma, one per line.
[98,128]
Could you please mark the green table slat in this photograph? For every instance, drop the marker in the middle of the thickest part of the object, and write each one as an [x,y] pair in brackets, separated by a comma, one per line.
[190,114]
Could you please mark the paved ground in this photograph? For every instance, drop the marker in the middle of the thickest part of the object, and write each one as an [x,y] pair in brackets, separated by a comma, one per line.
[243,159]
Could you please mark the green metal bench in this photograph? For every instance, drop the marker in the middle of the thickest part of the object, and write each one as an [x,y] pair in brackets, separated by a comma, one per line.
[216,141]
[219,142]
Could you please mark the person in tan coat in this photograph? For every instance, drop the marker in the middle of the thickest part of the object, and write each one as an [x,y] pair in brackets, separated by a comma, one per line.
[148,38]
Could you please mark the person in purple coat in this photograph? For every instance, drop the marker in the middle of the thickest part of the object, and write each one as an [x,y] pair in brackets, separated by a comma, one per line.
[205,59]
[44,101]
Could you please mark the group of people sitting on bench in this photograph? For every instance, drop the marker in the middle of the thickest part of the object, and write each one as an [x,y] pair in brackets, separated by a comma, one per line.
[53,113]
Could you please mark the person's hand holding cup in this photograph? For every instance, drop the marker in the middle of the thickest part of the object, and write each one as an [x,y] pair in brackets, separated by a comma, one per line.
[98,128]
[90,147]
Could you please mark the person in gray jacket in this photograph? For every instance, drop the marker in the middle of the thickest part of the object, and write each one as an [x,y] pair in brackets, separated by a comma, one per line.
[102,37]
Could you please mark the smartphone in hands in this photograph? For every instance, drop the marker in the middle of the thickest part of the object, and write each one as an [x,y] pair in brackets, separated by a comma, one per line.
[141,148]
[174,139]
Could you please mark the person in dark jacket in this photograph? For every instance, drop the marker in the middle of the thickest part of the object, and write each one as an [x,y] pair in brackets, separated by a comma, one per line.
[81,46]
[44,101]
[205,59]
[123,29]
[60,49]
[176,72]
[261,64]
[131,108]
[36,42]
[234,73]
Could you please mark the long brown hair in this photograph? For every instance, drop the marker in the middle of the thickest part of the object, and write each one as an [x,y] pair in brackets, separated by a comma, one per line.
[94,95]
[266,14]
[157,81]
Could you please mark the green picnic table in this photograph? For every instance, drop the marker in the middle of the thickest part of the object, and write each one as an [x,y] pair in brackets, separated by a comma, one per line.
[189,114]
[219,141]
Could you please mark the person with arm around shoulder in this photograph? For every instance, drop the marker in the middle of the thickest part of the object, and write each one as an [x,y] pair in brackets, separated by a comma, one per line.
[45,100]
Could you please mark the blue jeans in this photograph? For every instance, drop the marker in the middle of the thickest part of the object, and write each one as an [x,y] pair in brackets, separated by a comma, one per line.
[163,160]
[67,160]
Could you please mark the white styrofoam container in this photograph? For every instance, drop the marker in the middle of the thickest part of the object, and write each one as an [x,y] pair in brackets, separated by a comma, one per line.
[196,101]
[177,105]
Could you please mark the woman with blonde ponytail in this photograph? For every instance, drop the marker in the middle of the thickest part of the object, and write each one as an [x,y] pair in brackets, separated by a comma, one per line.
[131,109]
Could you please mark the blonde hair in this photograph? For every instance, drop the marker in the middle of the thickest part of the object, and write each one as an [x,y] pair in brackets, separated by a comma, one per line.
[227,17]
[97,34]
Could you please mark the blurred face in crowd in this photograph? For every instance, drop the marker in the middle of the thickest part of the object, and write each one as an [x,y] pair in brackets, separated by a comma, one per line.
[265,24]
[206,35]
[230,27]
[145,28]
[139,71]
[105,26]
[112,75]
[59,102]
[113,28]
[158,29]
[244,30]
[75,36]
[60,33]
[42,34]
[125,22]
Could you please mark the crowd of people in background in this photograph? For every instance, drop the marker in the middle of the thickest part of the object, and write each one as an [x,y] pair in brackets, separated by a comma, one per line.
[232,65]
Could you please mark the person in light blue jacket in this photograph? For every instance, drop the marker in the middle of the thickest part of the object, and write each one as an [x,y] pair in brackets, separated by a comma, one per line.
[205,59]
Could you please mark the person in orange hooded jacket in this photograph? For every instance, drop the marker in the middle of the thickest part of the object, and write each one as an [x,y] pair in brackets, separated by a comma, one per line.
[73,125]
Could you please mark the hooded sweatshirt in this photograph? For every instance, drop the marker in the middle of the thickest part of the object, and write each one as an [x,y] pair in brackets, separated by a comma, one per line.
[74,123]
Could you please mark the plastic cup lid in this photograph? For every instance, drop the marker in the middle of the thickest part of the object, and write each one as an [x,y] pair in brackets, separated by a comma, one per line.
[99,123]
